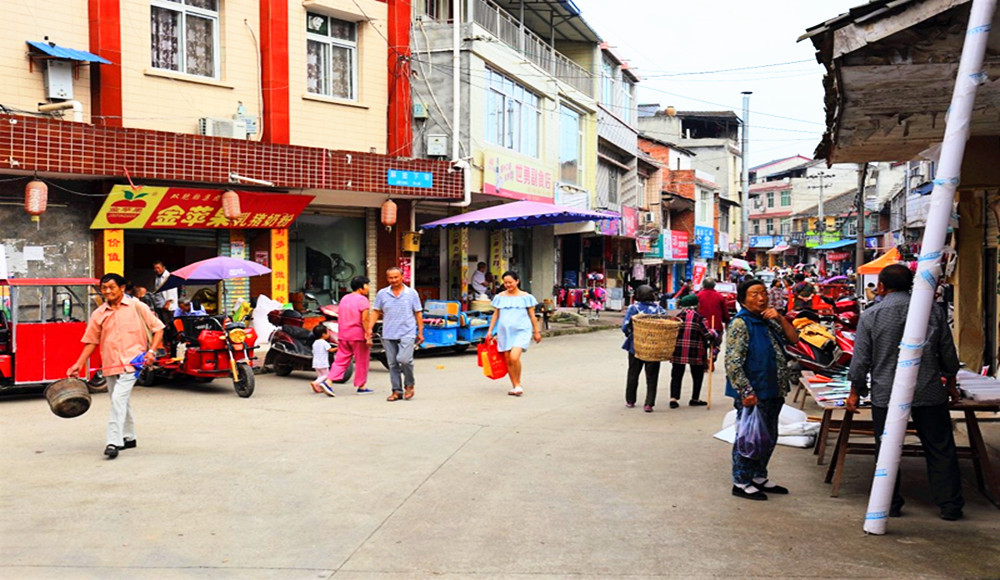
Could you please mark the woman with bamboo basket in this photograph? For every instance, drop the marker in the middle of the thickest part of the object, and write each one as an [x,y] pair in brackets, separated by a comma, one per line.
[645,305]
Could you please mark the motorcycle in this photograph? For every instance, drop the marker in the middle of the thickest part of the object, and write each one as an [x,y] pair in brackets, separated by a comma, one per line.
[291,343]
[205,348]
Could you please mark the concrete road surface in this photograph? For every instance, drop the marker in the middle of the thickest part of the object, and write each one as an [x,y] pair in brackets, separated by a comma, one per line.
[461,482]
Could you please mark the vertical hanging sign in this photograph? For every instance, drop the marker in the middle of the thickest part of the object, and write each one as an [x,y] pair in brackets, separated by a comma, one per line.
[279,265]
[114,252]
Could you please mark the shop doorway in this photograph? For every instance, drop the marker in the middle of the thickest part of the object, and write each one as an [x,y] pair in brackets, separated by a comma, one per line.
[175,248]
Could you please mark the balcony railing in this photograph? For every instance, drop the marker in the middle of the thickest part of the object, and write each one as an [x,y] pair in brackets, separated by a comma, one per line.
[507,29]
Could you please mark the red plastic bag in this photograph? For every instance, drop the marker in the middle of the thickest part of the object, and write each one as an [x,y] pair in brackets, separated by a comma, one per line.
[493,362]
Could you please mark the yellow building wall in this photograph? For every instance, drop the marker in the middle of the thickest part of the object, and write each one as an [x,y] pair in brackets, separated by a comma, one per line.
[320,121]
[65,25]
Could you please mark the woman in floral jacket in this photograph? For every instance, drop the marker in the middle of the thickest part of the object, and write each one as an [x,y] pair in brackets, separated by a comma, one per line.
[693,340]
[645,303]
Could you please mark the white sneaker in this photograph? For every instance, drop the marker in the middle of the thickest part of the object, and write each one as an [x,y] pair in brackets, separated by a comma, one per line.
[516,392]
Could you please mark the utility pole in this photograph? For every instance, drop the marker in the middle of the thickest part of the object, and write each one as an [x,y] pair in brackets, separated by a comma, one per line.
[819,207]
[859,247]
[744,178]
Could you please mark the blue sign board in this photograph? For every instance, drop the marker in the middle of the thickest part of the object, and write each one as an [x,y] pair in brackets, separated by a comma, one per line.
[704,236]
[762,241]
[410,178]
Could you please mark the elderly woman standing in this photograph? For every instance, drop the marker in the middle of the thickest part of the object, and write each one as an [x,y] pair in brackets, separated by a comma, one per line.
[757,375]
[693,339]
[645,303]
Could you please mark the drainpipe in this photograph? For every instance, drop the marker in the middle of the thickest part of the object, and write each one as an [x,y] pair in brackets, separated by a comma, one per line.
[911,348]
[76,106]
[456,109]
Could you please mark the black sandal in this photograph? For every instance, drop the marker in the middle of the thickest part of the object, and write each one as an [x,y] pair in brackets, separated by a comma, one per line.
[111,451]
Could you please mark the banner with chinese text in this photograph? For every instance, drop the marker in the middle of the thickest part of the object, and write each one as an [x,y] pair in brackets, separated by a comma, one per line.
[279,265]
[114,252]
[177,207]
[518,179]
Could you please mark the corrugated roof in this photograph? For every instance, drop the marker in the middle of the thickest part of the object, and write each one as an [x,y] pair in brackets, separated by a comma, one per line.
[51,49]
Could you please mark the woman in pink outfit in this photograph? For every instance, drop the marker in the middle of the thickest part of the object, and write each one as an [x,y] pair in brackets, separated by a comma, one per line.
[352,341]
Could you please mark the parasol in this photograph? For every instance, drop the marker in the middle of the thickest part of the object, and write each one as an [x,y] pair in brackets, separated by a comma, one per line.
[211,271]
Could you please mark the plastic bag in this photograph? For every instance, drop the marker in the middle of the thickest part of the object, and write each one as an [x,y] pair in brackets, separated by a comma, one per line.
[494,364]
[752,438]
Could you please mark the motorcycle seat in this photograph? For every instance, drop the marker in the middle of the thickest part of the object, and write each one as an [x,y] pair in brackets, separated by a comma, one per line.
[298,333]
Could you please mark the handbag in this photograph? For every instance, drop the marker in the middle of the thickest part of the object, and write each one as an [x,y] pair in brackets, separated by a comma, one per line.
[493,362]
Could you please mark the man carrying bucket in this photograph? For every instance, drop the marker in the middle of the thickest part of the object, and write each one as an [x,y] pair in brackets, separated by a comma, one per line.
[124,327]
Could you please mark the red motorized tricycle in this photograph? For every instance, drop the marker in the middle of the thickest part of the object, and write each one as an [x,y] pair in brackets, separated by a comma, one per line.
[205,348]
[41,323]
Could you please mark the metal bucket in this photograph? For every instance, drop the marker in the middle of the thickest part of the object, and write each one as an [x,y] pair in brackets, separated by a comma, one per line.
[68,397]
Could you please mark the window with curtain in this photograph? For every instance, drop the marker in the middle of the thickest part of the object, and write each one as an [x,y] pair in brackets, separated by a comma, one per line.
[570,146]
[331,56]
[185,36]
[512,114]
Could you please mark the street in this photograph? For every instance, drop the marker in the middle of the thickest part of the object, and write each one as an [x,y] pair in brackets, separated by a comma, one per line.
[462,481]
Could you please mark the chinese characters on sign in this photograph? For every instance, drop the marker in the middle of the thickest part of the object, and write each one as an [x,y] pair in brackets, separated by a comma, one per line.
[279,265]
[705,238]
[114,252]
[162,207]
[678,245]
[410,178]
[507,177]
[406,266]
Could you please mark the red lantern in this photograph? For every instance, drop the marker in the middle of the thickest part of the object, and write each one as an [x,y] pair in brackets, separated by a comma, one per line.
[36,197]
[231,205]
[389,214]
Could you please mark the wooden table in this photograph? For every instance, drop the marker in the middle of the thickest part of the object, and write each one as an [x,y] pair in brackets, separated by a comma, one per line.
[986,479]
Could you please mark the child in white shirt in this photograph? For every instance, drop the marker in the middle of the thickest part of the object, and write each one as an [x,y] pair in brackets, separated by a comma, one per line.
[321,359]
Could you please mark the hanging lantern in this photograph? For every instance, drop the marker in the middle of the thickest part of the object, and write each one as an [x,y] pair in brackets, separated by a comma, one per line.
[231,205]
[36,197]
[389,214]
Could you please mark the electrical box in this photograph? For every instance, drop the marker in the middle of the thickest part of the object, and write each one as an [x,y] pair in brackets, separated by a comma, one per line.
[58,79]
[420,111]
[411,242]
[437,145]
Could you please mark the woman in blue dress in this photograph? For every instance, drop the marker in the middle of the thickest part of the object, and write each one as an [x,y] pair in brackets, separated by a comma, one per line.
[516,326]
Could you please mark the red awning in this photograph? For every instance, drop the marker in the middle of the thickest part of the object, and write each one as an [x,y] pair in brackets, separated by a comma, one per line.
[49,281]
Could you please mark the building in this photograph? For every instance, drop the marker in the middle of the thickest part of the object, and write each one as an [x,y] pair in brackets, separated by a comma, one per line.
[900,90]
[154,109]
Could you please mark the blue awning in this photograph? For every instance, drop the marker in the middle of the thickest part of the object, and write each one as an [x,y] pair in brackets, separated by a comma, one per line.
[835,245]
[67,53]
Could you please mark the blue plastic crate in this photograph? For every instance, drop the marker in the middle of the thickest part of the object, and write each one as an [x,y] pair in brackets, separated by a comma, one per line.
[472,333]
[435,336]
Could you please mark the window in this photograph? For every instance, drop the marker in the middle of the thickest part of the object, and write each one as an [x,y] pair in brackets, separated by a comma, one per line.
[613,183]
[770,226]
[786,227]
[625,105]
[756,227]
[770,199]
[723,225]
[786,198]
[570,146]
[185,36]
[512,115]
[705,198]
[331,56]
[608,72]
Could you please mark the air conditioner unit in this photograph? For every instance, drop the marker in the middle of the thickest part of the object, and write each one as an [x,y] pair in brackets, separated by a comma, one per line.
[232,128]
[648,217]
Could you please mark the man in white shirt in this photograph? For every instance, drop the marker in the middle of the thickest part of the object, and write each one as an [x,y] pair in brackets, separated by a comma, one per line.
[160,297]
[478,282]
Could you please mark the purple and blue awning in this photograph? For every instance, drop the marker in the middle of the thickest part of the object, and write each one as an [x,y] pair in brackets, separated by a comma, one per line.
[520,214]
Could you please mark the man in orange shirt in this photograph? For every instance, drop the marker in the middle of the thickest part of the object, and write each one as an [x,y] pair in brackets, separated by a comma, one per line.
[123,327]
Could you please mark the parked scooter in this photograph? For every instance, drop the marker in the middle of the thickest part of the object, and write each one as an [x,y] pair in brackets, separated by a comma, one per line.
[291,344]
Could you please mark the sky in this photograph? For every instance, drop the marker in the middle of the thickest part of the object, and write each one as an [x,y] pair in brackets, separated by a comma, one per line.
[665,41]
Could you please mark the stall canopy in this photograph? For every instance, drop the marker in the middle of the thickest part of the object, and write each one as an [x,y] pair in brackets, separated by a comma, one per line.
[520,214]
[876,265]
[836,245]
[779,249]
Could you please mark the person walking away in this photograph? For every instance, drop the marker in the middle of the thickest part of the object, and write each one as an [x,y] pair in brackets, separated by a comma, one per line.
[757,374]
[353,339]
[693,339]
[161,297]
[402,330]
[123,328]
[645,303]
[516,326]
[321,349]
[712,306]
[876,352]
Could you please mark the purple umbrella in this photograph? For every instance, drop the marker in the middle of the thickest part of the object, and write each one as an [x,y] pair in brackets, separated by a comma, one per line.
[520,214]
[213,270]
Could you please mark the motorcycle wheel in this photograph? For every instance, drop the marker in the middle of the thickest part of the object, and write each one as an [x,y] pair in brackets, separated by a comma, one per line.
[283,370]
[347,375]
[244,386]
[146,378]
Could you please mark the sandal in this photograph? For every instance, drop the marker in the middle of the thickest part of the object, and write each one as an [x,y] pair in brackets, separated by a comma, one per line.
[394,397]
[516,392]
[408,393]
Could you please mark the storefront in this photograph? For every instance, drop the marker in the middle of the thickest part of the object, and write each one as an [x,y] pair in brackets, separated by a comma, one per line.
[137,226]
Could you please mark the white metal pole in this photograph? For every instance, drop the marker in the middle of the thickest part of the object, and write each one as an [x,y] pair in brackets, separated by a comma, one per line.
[744,176]
[956,134]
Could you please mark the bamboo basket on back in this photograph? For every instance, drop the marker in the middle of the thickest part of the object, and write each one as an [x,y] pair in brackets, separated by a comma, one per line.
[654,336]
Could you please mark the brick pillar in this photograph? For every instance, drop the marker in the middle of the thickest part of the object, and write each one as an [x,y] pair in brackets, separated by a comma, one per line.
[106,79]
[274,33]
[399,141]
